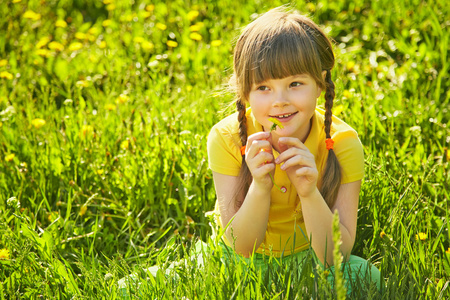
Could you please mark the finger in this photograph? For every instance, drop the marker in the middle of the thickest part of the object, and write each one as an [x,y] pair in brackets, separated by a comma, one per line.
[258,136]
[310,173]
[259,159]
[298,161]
[291,152]
[257,146]
[289,142]
[263,170]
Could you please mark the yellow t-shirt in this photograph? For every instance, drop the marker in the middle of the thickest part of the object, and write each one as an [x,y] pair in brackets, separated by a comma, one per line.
[286,232]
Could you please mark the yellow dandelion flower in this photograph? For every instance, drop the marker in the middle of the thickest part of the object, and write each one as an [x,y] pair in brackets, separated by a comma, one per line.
[110,107]
[86,129]
[107,23]
[56,46]
[150,7]
[192,15]
[38,123]
[75,46]
[216,43]
[106,2]
[211,71]
[338,109]
[111,7]
[61,23]
[347,94]
[42,42]
[102,45]
[3,62]
[99,172]
[4,254]
[10,157]
[1,124]
[382,234]
[138,39]
[195,27]
[146,45]
[6,75]
[91,37]
[43,52]
[172,44]
[448,251]
[421,236]
[17,1]
[161,26]
[122,98]
[125,144]
[276,123]
[83,210]
[311,7]
[94,31]
[80,35]
[351,65]
[29,14]
[195,36]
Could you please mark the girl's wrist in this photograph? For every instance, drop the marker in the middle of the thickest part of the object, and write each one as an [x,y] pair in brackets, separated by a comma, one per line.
[261,187]
[312,196]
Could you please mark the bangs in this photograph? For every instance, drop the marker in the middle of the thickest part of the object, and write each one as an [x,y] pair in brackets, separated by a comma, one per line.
[281,50]
[285,55]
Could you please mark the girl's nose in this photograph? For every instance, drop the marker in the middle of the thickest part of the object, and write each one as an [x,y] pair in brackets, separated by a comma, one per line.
[280,99]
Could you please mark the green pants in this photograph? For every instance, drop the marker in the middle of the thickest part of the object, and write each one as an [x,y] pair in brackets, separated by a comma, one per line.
[355,270]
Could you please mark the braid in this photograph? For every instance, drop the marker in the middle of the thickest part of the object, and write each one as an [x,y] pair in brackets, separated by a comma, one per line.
[329,97]
[242,119]
[331,178]
[244,174]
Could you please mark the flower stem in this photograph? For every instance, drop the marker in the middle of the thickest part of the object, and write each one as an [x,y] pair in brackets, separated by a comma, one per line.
[273,181]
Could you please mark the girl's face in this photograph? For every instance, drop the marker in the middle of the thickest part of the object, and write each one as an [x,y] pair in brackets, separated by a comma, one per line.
[292,100]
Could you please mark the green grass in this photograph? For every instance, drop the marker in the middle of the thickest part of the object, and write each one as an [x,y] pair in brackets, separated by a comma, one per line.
[117,178]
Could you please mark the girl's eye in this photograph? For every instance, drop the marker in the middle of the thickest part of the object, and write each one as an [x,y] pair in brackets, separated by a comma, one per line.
[262,88]
[296,84]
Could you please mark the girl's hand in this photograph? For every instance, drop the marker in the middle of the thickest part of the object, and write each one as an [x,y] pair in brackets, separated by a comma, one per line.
[299,165]
[259,158]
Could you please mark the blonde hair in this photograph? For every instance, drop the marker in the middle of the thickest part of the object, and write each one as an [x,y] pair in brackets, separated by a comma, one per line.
[278,44]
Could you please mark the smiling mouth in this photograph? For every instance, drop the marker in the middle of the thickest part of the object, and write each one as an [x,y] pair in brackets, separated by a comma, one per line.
[284,116]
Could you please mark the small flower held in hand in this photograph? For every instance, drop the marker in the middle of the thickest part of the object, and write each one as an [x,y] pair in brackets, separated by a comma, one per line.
[275,124]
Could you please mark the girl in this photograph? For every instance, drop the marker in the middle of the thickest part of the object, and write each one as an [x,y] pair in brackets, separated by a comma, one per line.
[277,189]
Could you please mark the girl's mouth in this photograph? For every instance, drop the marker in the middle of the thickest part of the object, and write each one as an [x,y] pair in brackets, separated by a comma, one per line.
[284,117]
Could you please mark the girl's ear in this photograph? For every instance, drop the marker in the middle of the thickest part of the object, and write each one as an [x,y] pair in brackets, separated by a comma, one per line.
[324,74]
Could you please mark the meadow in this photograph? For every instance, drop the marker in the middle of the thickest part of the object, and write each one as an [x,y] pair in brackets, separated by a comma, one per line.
[105,107]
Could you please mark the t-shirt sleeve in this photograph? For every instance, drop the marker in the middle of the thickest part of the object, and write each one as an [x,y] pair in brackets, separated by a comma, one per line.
[350,153]
[223,154]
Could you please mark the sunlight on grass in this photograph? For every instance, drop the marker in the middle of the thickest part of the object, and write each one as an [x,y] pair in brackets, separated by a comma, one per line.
[104,111]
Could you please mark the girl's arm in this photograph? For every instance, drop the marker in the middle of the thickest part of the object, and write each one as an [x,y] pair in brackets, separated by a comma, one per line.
[301,169]
[319,218]
[248,222]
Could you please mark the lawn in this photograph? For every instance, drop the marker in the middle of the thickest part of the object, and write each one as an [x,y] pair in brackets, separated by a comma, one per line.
[104,111]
